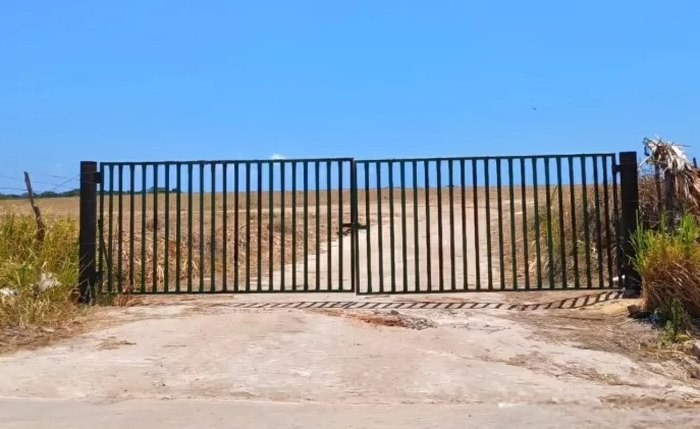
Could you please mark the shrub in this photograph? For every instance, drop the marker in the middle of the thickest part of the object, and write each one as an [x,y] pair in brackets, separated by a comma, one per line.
[668,261]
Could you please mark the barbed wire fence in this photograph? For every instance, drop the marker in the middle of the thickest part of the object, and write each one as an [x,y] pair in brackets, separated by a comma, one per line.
[11,185]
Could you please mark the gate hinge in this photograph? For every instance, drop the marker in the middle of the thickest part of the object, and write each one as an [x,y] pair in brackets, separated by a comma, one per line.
[616,168]
[97,176]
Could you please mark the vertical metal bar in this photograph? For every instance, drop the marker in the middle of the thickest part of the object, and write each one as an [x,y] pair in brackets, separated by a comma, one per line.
[224,226]
[550,239]
[212,251]
[202,260]
[178,228]
[513,237]
[110,229]
[329,226]
[144,175]
[283,226]
[354,221]
[100,224]
[87,276]
[428,239]
[132,169]
[294,225]
[606,206]
[538,253]
[499,196]
[404,244]
[259,209]
[451,198]
[441,262]
[629,195]
[487,198]
[619,243]
[155,228]
[574,239]
[120,229]
[477,258]
[380,221]
[166,247]
[317,167]
[392,238]
[462,184]
[598,235]
[236,226]
[562,231]
[416,240]
[271,221]
[340,223]
[189,226]
[306,225]
[523,204]
[586,226]
[368,223]
[248,202]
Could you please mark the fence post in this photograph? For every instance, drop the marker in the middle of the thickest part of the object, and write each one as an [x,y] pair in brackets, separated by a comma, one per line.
[88,229]
[629,196]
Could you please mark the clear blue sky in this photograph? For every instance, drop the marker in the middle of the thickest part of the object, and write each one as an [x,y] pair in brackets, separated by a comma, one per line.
[156,80]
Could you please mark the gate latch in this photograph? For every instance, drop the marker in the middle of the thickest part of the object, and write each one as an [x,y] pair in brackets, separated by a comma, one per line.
[346,228]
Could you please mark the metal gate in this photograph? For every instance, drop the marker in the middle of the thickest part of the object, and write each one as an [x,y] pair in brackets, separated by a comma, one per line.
[226,226]
[489,223]
[368,226]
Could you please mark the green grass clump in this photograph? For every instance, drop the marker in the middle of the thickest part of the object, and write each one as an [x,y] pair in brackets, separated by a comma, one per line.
[668,261]
[23,260]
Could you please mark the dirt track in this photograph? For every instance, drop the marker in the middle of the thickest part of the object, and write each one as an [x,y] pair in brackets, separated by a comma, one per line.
[459,361]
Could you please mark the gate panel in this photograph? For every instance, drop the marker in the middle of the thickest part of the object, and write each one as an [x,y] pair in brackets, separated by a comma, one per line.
[487,223]
[227,226]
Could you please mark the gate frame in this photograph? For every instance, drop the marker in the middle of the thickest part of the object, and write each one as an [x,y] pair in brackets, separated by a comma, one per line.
[89,277]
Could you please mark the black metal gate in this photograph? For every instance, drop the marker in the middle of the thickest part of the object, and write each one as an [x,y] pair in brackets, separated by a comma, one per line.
[489,223]
[369,226]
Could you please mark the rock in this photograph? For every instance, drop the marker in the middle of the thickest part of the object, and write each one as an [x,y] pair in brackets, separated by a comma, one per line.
[692,347]
[8,292]
[636,312]
[47,281]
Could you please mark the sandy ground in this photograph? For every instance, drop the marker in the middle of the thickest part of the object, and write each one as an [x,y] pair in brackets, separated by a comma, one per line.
[278,361]
[487,360]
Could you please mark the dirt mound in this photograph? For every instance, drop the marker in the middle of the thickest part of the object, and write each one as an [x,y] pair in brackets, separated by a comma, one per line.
[383,318]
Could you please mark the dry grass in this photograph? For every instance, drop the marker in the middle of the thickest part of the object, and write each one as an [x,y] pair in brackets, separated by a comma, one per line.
[202,257]
[563,239]
[69,206]
[33,312]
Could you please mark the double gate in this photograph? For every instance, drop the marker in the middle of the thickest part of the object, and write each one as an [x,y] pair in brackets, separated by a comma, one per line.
[364,226]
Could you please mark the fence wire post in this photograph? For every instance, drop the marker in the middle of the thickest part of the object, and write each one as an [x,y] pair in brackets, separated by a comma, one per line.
[87,275]
[629,195]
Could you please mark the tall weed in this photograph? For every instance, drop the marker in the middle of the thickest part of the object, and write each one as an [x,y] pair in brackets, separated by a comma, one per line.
[23,260]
